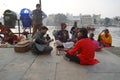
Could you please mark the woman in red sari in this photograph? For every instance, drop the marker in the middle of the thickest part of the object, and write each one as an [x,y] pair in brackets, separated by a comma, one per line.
[10,37]
[2,30]
[83,51]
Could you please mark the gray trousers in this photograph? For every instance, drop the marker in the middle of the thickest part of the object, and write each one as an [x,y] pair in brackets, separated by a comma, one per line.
[37,49]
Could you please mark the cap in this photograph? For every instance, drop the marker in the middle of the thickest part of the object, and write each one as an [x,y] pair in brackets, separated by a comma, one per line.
[63,25]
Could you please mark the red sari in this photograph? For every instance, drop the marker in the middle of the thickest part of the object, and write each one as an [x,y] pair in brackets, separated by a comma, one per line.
[2,28]
[10,37]
[87,51]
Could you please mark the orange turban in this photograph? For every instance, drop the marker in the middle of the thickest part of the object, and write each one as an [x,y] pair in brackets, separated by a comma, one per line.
[63,25]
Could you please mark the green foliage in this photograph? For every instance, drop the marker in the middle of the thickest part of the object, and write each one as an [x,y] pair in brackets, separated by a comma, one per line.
[117,18]
[107,21]
[59,18]
[56,19]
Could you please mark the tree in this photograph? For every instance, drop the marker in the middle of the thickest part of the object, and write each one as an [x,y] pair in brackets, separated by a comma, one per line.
[95,21]
[107,21]
[50,20]
[117,18]
[59,18]
[55,19]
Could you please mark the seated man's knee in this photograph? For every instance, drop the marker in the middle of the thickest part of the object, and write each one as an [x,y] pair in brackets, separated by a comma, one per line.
[48,49]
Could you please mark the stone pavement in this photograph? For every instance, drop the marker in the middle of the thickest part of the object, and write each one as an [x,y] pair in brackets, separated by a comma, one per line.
[114,50]
[26,66]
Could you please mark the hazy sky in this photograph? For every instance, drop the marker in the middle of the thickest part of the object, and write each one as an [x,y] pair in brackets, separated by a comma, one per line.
[107,8]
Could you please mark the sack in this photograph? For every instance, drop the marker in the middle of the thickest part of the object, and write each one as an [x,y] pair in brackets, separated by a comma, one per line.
[40,47]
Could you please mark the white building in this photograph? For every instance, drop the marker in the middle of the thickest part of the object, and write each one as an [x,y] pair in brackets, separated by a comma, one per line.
[72,19]
[86,21]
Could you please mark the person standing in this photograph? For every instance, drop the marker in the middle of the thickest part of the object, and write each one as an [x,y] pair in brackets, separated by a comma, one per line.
[37,16]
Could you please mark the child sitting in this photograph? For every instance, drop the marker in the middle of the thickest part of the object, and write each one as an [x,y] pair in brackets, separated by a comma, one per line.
[96,44]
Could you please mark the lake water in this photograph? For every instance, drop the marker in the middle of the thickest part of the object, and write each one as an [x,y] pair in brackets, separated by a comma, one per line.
[115,32]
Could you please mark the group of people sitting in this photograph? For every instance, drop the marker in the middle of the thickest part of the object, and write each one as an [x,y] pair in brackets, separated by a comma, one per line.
[7,35]
[39,45]
[82,51]
[62,37]
[83,46]
[80,48]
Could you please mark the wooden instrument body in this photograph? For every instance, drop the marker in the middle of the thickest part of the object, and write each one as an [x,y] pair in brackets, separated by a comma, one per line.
[22,46]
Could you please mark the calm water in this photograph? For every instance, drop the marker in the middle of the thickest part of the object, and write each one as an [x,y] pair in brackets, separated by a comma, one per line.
[115,32]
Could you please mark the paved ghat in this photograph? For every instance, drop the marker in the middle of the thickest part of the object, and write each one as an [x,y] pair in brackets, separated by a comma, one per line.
[26,66]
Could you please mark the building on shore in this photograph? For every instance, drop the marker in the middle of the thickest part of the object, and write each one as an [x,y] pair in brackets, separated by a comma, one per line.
[87,21]
[84,20]
[71,19]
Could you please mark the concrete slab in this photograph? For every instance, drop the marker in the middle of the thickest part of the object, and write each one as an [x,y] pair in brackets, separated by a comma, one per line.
[105,70]
[104,76]
[108,63]
[14,64]
[41,71]
[6,57]
[26,66]
[114,50]
[43,68]
[70,71]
